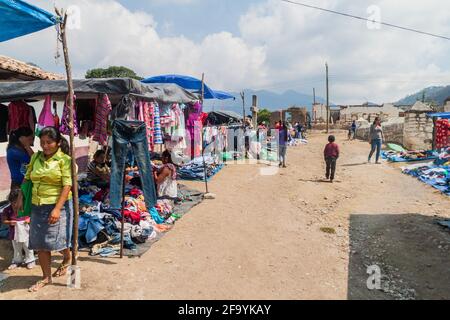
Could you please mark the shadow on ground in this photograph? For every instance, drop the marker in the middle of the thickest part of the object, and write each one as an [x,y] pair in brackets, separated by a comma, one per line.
[412,252]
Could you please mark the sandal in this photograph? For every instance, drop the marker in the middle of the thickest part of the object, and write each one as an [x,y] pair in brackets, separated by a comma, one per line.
[61,271]
[39,285]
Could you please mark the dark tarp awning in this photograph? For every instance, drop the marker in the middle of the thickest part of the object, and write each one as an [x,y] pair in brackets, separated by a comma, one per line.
[218,118]
[88,88]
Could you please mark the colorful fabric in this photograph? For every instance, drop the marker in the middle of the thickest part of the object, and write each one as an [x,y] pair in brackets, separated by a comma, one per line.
[157,122]
[442,133]
[49,177]
[46,118]
[64,128]
[148,120]
[19,115]
[102,111]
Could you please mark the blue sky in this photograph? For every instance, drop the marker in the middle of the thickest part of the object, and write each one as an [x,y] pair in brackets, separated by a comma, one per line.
[256,44]
[194,19]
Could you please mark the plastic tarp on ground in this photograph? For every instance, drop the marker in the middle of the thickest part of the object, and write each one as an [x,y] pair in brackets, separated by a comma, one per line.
[18,18]
[115,88]
[190,83]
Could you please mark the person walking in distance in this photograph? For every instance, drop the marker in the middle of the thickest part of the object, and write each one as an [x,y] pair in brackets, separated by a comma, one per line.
[376,138]
[331,154]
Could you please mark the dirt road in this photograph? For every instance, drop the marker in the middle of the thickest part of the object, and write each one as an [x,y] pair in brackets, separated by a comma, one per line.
[262,239]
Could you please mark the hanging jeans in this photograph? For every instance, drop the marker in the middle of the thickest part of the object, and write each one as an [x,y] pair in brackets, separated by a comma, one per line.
[376,146]
[124,134]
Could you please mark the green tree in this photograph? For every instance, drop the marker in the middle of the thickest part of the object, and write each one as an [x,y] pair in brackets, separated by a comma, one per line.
[264,115]
[112,72]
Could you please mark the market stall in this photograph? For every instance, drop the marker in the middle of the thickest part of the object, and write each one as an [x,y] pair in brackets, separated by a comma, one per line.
[118,113]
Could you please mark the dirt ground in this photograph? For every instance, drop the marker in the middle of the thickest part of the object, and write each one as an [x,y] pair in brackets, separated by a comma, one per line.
[262,239]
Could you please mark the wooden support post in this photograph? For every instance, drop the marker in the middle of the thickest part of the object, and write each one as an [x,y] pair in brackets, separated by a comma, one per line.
[63,29]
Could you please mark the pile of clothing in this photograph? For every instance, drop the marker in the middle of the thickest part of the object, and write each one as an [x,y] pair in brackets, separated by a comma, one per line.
[195,169]
[296,142]
[99,226]
[434,175]
[409,156]
[444,158]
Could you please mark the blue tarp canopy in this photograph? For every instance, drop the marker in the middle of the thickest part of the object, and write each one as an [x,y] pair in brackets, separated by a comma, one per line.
[189,83]
[442,115]
[18,18]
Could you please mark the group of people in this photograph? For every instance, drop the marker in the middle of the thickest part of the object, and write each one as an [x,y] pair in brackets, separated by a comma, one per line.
[48,226]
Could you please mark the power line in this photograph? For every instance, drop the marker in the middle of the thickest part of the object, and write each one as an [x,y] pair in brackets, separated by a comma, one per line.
[365,19]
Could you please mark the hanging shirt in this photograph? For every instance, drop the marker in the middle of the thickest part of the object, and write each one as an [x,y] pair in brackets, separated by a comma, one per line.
[20,115]
[49,177]
[102,111]
[3,123]
[18,161]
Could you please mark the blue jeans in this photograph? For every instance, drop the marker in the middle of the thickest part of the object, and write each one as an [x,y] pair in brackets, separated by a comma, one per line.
[376,146]
[124,134]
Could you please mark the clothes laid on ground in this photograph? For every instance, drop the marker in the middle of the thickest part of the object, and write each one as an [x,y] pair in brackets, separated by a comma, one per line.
[431,174]
[99,225]
[195,169]
[409,156]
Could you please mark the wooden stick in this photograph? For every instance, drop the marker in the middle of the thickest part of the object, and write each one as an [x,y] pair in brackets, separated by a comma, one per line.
[63,16]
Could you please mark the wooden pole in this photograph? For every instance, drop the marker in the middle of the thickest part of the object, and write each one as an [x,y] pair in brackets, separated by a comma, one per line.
[203,151]
[328,102]
[63,24]
[122,229]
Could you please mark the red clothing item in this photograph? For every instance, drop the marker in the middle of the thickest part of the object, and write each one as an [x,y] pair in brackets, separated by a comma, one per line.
[20,115]
[331,151]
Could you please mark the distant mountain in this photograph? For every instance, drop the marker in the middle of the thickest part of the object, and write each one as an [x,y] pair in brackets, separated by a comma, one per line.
[266,100]
[436,94]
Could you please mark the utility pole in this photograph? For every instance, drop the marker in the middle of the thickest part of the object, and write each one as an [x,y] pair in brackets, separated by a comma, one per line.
[314,95]
[328,102]
[243,108]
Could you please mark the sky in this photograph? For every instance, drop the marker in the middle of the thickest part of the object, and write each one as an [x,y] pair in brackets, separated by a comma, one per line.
[256,44]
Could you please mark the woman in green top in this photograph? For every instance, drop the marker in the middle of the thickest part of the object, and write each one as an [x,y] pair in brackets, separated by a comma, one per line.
[51,212]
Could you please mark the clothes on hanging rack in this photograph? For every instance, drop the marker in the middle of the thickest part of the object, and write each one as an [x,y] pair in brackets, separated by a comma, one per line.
[65,120]
[134,133]
[102,111]
[3,123]
[442,139]
[46,116]
[20,114]
[158,137]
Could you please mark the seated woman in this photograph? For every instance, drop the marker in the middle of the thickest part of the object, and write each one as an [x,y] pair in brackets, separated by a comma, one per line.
[98,172]
[166,178]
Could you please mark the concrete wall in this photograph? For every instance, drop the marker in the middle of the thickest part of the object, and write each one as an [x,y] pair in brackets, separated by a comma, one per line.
[393,131]
[418,132]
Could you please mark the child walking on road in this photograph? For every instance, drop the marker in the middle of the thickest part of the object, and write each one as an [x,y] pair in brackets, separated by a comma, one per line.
[331,154]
